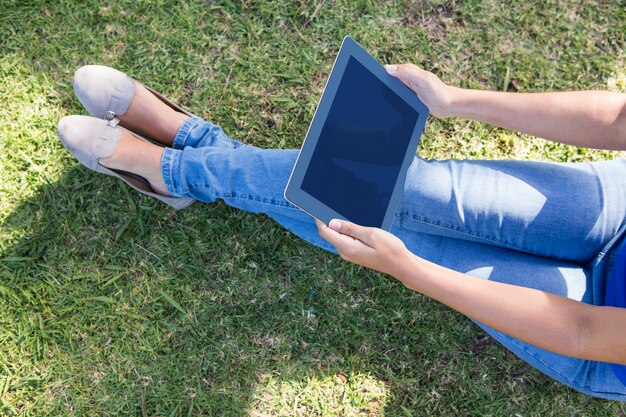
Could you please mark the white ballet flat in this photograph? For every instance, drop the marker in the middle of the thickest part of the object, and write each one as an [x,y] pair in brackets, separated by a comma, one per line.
[89,139]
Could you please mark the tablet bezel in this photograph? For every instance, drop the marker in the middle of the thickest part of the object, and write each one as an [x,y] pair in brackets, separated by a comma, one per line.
[293,191]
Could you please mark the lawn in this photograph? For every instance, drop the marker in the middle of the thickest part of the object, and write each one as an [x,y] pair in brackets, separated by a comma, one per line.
[113,304]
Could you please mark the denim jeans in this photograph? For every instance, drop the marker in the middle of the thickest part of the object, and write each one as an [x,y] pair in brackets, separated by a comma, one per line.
[549,226]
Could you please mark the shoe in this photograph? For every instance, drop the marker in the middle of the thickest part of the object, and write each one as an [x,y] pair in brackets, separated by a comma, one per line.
[106,93]
[89,139]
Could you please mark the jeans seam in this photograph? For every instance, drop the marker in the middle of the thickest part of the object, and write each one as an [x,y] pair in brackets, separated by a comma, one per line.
[234,196]
[167,159]
[263,201]
[474,235]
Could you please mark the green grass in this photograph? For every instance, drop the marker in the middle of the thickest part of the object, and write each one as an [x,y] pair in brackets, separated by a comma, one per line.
[113,304]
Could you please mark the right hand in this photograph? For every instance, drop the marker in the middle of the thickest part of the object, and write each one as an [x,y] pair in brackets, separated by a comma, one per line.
[368,246]
[433,92]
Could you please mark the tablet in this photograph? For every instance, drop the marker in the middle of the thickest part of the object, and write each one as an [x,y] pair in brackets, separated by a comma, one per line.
[361,141]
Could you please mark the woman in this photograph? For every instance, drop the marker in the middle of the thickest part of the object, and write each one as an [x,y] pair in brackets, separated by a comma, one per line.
[532,251]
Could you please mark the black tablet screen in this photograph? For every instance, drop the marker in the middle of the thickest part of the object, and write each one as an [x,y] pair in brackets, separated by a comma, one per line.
[360,150]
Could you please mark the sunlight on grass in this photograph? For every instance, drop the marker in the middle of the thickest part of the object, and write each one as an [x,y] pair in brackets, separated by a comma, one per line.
[29,112]
[617,82]
[355,394]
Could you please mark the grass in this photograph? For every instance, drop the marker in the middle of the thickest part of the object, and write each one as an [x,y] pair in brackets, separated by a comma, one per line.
[112,304]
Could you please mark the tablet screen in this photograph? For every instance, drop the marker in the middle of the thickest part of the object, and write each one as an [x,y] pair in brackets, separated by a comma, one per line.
[361,147]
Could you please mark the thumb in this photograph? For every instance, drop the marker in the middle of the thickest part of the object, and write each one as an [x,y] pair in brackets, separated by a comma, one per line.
[350,229]
[403,72]
[392,69]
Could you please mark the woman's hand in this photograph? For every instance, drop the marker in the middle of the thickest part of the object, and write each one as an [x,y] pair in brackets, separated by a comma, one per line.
[433,92]
[595,119]
[368,246]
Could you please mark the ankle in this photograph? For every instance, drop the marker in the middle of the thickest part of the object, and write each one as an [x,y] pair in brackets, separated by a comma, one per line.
[138,157]
[149,116]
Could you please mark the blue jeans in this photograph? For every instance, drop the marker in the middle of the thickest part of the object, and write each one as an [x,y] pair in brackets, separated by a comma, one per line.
[549,226]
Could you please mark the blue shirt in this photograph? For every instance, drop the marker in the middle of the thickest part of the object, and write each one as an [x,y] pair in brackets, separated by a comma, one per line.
[616,296]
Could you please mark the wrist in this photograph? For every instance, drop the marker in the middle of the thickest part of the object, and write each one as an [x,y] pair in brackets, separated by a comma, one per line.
[415,272]
[406,267]
[456,100]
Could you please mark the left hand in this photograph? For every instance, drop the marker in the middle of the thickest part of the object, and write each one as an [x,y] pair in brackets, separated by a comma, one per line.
[436,95]
[368,246]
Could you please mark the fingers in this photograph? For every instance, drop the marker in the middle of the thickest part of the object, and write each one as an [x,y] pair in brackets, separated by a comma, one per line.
[345,231]
[341,242]
[392,69]
[398,70]
[403,72]
[364,234]
[349,248]
[406,72]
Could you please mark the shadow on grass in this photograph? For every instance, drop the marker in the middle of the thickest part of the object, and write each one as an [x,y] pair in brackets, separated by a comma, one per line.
[113,302]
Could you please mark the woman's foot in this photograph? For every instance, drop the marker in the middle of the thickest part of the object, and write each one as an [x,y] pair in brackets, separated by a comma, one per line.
[115,151]
[108,93]
[138,157]
[149,116]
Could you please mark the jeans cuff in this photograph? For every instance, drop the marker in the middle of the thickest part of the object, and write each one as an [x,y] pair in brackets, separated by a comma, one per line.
[169,165]
[183,132]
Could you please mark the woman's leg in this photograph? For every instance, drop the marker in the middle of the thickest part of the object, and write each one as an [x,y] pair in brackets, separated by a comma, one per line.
[566,211]
[556,210]
[563,211]
[245,177]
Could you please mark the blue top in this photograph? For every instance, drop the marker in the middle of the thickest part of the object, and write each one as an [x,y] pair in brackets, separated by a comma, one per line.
[616,296]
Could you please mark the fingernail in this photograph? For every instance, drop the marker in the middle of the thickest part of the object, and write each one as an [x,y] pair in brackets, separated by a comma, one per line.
[335,224]
[391,68]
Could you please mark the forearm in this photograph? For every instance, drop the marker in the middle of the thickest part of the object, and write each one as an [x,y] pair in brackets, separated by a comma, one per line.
[594,119]
[546,320]
[542,319]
